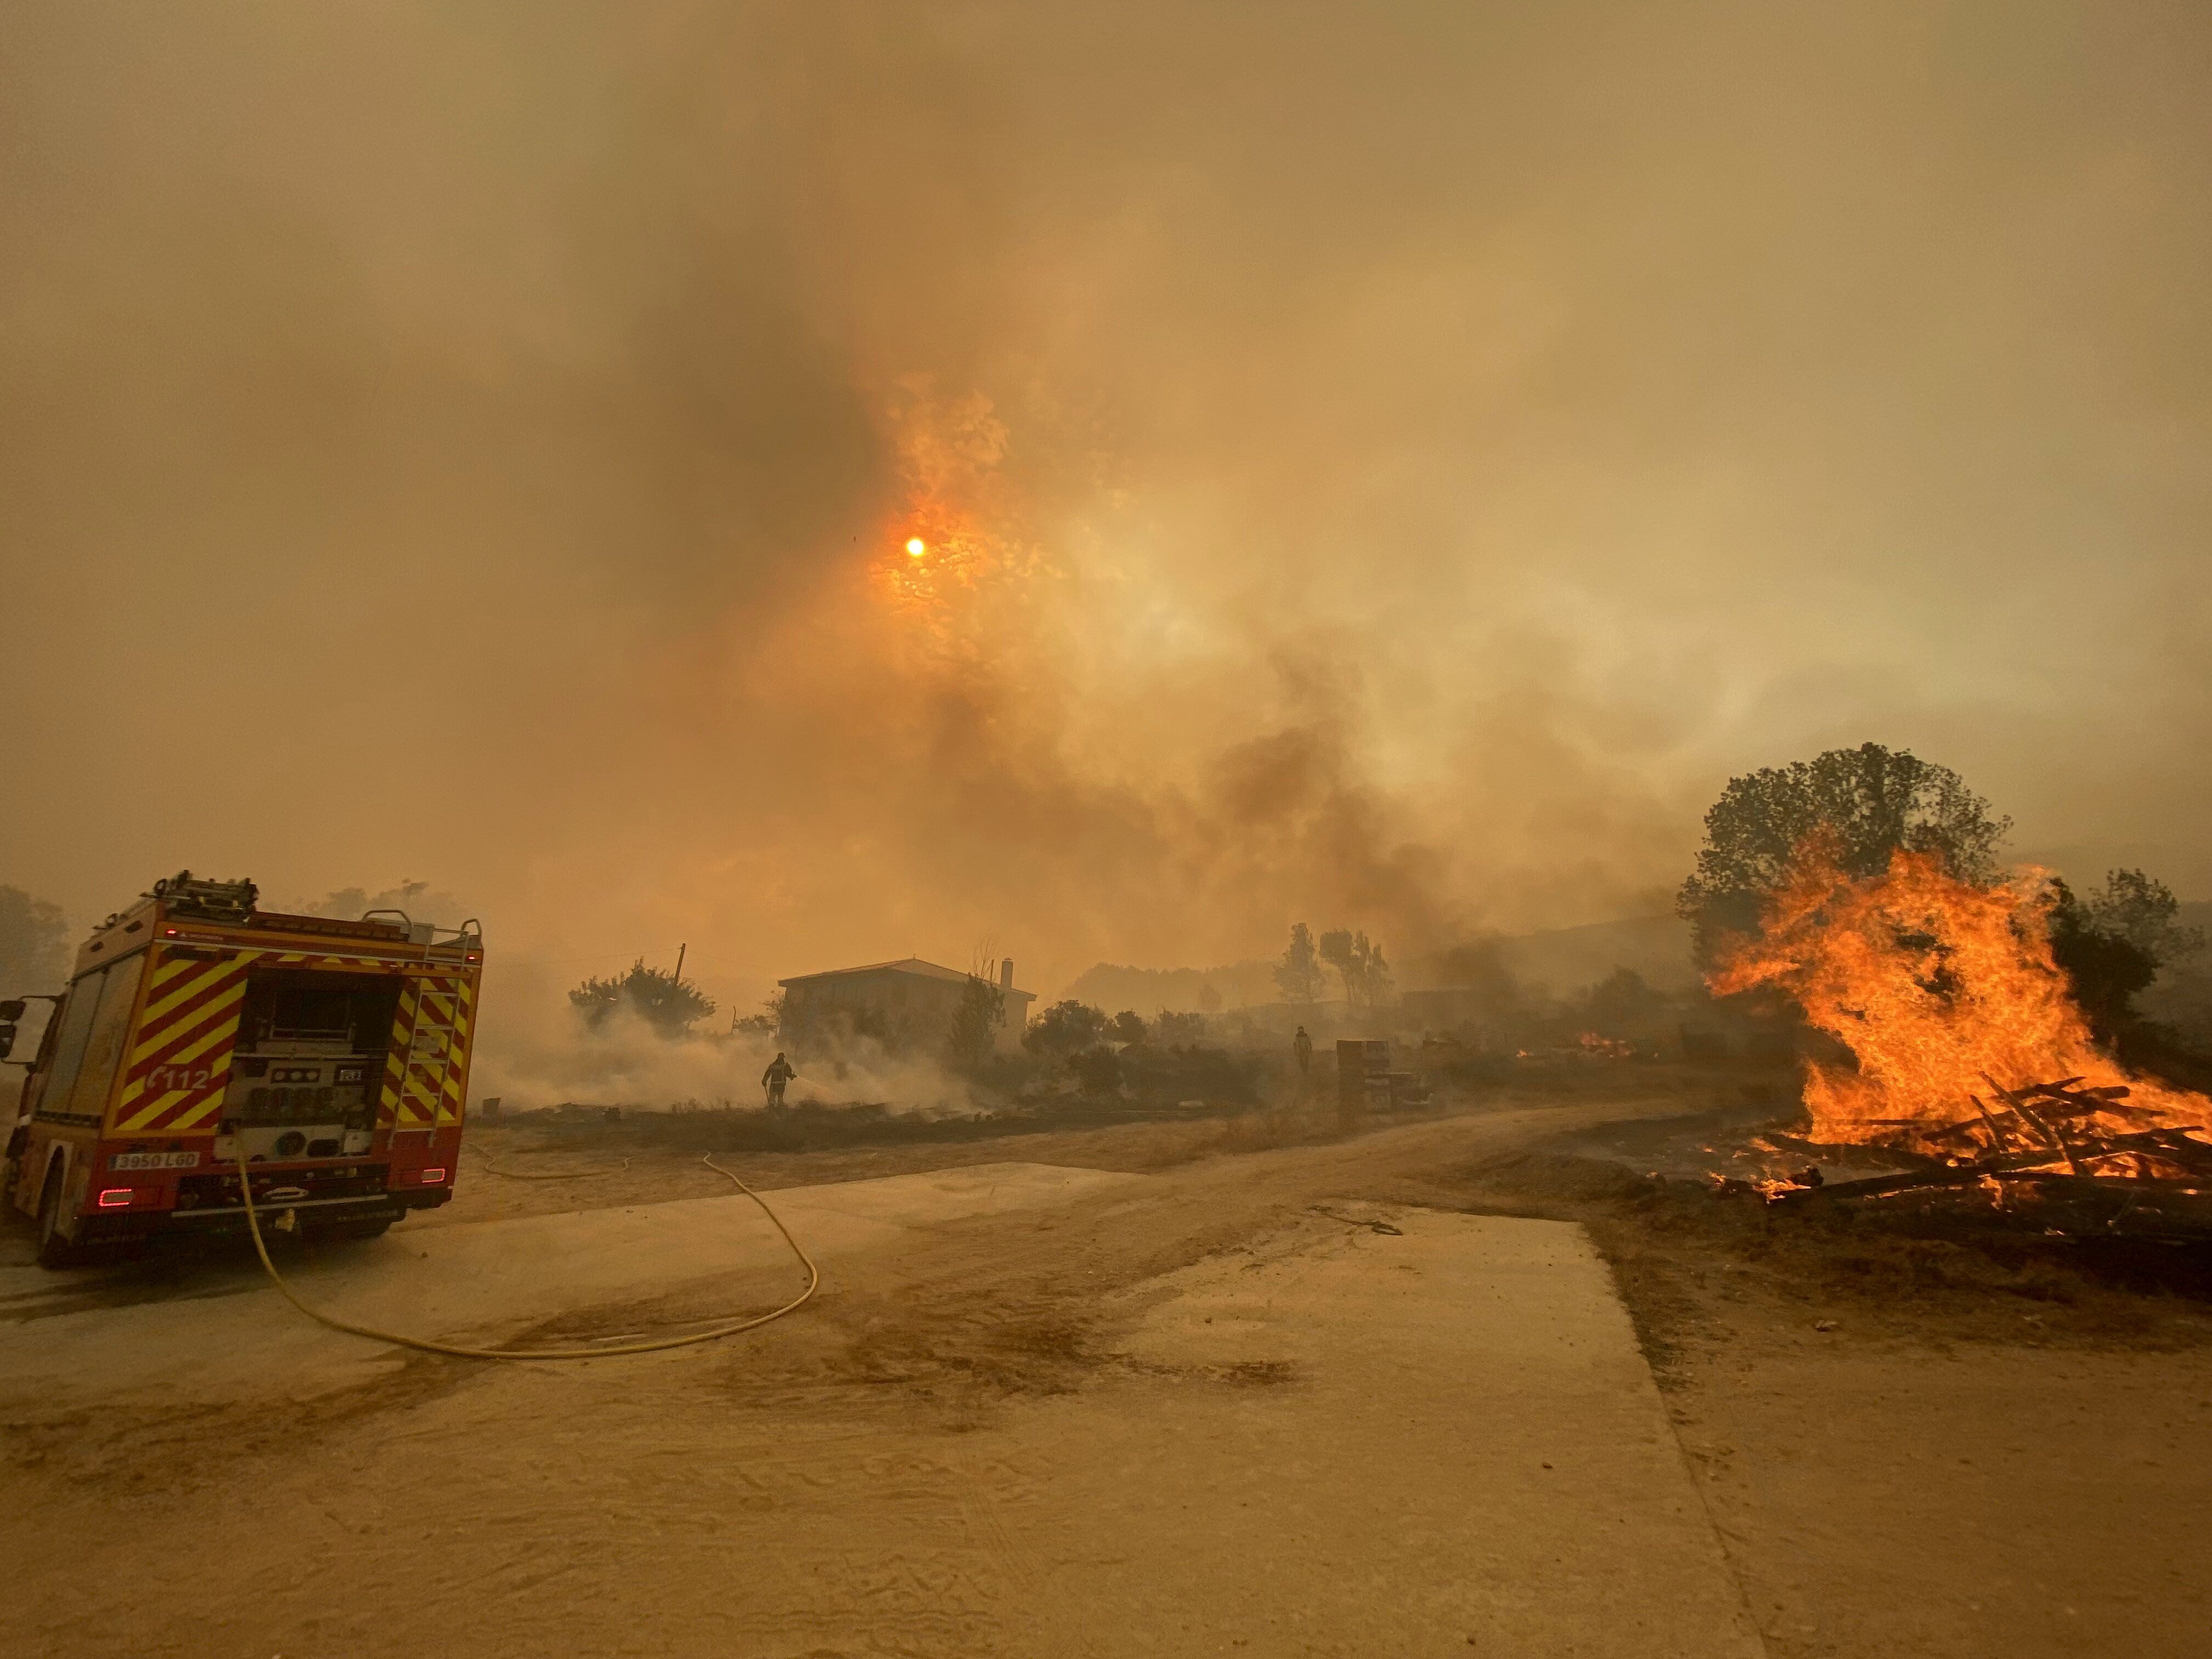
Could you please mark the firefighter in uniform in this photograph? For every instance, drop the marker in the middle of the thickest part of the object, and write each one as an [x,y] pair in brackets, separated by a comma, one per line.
[779,1072]
[1302,1046]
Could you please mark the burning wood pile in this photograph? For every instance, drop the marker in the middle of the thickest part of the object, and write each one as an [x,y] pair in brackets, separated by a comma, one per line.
[1939,986]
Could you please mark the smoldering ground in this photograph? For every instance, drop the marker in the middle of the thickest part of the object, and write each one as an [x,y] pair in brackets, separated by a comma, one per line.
[1389,466]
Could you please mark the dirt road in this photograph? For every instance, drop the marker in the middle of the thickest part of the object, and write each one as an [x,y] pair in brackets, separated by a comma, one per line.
[1015,1433]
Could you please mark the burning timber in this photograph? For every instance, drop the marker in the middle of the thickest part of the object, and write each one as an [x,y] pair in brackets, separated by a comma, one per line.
[1935,986]
[2041,1149]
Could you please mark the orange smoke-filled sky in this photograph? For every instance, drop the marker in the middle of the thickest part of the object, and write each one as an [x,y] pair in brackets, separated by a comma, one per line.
[1381,465]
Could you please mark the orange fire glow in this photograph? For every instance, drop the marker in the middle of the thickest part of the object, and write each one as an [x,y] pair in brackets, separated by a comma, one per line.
[955,558]
[1947,995]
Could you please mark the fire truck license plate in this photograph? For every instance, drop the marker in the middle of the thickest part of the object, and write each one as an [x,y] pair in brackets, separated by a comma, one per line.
[155,1161]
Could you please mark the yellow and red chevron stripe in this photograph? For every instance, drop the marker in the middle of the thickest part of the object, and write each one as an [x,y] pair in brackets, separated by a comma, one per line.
[178,1068]
[395,1058]
[180,1061]
[433,1049]
[457,1055]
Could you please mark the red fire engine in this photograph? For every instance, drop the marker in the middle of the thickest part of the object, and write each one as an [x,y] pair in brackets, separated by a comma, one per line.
[331,1058]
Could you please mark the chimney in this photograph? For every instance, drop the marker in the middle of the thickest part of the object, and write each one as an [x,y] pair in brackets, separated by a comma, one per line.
[1006,973]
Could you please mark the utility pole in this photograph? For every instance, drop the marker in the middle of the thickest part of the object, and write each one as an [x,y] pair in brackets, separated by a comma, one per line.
[679,964]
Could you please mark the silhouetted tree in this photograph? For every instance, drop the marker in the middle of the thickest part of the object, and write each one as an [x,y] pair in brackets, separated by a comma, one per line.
[1298,973]
[765,1024]
[1872,801]
[1358,963]
[1066,1028]
[663,1001]
[975,1025]
[1178,1030]
[2112,943]
[1128,1026]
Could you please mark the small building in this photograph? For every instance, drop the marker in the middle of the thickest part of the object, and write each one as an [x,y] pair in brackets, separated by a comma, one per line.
[907,1007]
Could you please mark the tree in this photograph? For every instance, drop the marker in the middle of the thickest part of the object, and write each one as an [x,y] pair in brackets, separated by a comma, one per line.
[1172,1029]
[1868,802]
[1128,1026]
[1066,1028]
[1359,964]
[975,1023]
[765,1024]
[1375,972]
[34,953]
[1336,951]
[2112,944]
[1623,1001]
[663,1001]
[1299,972]
[2141,909]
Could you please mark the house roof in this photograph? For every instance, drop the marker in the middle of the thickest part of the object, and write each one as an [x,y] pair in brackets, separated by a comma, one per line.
[913,965]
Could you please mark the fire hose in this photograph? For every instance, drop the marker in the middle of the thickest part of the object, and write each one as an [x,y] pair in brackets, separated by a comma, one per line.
[713,1334]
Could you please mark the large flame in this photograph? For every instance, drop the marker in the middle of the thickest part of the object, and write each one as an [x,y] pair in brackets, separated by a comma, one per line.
[1946,993]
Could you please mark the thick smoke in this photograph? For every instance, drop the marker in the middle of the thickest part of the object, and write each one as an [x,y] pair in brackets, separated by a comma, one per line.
[1381,468]
[537,1053]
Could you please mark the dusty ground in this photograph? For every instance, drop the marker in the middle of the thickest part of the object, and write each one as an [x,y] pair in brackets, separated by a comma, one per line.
[1945,1445]
[1977,1457]
[509,1171]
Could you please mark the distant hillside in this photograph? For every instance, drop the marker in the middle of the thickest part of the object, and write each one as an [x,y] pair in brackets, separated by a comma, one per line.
[1563,959]
[1559,960]
[1148,990]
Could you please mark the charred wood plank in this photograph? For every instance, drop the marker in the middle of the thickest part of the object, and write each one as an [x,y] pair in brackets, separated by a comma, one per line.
[1875,1186]
[1957,1175]
[2146,1187]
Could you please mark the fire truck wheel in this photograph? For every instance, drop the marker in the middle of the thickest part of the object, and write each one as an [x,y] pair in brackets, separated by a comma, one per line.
[54,1250]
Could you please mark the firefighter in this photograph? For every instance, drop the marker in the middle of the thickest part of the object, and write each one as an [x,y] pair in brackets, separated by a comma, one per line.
[779,1072]
[1302,1046]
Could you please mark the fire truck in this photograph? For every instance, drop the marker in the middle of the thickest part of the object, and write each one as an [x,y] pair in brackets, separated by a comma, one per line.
[202,1038]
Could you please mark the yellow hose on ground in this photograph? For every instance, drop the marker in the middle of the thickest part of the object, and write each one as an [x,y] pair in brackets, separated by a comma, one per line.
[729,1327]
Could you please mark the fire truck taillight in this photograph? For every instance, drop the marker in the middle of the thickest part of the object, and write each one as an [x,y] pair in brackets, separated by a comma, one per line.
[115,1198]
[430,1178]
